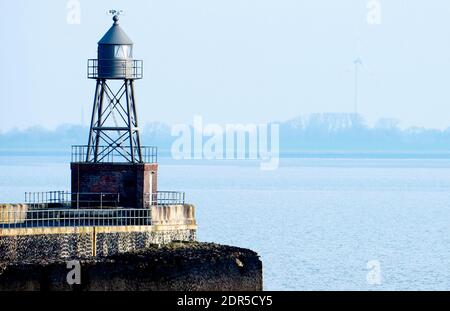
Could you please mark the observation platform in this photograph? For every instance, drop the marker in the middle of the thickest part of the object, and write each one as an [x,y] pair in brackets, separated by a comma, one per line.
[64,209]
[113,154]
[114,69]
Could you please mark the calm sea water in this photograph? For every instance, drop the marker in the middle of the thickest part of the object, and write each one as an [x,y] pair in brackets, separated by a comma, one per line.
[315,222]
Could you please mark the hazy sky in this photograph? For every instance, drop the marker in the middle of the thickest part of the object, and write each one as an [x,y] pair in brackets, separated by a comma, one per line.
[231,60]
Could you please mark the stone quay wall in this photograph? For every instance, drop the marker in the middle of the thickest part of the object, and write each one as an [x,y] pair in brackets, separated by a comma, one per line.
[169,223]
[176,266]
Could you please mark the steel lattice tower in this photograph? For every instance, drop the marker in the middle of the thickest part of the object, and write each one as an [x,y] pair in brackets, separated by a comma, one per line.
[114,129]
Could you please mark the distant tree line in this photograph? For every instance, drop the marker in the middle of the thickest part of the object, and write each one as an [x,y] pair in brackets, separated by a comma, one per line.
[342,131]
[315,132]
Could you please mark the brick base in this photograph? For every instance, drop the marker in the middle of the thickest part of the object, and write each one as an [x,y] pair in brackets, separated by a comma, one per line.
[130,180]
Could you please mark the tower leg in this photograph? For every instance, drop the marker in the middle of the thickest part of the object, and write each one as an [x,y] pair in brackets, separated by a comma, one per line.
[131,127]
[99,119]
[93,120]
[133,105]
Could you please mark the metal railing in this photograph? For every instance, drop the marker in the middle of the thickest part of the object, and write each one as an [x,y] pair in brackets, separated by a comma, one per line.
[115,69]
[164,198]
[14,218]
[64,209]
[111,154]
[65,199]
[61,199]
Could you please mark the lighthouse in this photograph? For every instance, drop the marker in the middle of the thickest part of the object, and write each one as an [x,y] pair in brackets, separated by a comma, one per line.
[114,205]
[114,121]
[114,161]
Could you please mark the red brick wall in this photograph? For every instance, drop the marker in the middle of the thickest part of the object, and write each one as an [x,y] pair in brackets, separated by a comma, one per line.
[131,181]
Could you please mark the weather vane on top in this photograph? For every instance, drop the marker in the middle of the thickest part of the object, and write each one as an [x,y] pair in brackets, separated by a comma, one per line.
[116,14]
